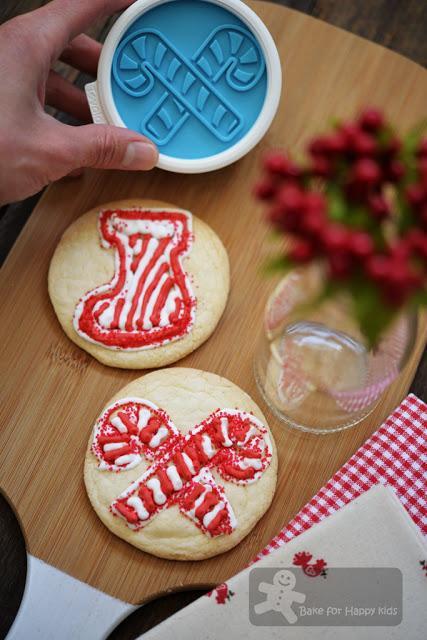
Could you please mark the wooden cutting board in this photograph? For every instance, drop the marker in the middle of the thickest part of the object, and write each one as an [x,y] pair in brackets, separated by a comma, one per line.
[52,391]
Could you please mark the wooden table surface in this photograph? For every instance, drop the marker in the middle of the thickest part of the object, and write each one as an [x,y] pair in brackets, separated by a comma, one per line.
[400,25]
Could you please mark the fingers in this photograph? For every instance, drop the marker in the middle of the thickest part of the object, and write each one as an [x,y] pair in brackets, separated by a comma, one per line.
[76,173]
[62,20]
[106,147]
[83,54]
[64,96]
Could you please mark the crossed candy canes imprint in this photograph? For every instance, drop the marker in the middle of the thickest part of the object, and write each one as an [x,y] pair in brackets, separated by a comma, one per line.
[147,56]
[233,442]
[149,301]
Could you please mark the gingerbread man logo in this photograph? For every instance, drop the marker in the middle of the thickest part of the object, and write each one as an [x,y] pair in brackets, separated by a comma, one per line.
[280,596]
[233,442]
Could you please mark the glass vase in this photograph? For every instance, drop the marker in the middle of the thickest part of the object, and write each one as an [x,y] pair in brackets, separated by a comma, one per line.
[313,366]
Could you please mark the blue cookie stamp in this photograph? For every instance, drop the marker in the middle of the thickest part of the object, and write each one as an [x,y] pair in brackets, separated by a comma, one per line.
[194,76]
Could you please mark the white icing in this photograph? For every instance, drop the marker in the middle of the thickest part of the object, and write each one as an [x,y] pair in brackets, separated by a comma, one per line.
[169,307]
[143,418]
[158,495]
[127,459]
[189,463]
[224,430]
[158,437]
[250,433]
[106,317]
[118,423]
[114,445]
[207,446]
[174,477]
[154,228]
[211,515]
[255,463]
[137,246]
[138,505]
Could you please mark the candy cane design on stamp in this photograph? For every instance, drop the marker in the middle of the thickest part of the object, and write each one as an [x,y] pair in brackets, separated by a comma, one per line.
[232,442]
[149,301]
[146,58]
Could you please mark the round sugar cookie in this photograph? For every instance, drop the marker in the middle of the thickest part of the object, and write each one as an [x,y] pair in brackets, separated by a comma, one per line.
[181,464]
[139,283]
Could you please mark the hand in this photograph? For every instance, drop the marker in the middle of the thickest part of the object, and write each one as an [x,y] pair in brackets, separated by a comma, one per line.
[36,149]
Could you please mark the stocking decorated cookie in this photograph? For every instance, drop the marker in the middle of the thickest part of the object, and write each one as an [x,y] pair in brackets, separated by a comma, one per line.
[181,464]
[139,284]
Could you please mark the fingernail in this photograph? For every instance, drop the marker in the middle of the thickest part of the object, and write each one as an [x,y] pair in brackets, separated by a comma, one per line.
[140,155]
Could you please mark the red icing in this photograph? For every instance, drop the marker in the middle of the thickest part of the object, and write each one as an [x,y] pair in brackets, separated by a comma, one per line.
[111,456]
[147,498]
[112,224]
[128,513]
[214,526]
[210,501]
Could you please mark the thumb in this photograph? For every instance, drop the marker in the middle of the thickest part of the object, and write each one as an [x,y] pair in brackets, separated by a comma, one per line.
[106,147]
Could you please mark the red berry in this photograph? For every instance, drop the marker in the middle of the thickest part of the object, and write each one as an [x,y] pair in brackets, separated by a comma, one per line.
[291,198]
[284,221]
[277,163]
[314,222]
[361,244]
[301,251]
[422,171]
[329,145]
[275,216]
[340,265]
[264,190]
[379,206]
[314,214]
[423,216]
[392,147]
[416,195]
[316,147]
[400,250]
[336,238]
[395,171]
[364,144]
[321,167]
[398,283]
[314,200]
[377,267]
[349,132]
[417,241]
[422,148]
[355,191]
[371,119]
[366,172]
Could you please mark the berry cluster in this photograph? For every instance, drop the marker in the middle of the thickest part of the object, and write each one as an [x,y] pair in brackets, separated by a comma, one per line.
[359,204]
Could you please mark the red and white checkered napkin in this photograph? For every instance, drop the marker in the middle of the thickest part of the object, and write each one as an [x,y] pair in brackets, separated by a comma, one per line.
[395,455]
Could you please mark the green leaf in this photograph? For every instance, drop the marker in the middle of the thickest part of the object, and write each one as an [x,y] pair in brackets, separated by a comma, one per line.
[372,314]
[420,298]
[337,204]
[277,264]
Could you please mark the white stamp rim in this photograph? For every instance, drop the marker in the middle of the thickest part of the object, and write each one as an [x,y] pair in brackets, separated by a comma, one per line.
[103,106]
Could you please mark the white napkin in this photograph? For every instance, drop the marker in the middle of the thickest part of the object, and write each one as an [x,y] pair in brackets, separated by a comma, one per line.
[372,531]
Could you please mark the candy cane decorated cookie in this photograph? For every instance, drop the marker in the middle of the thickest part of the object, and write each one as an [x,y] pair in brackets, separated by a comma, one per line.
[139,283]
[181,464]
